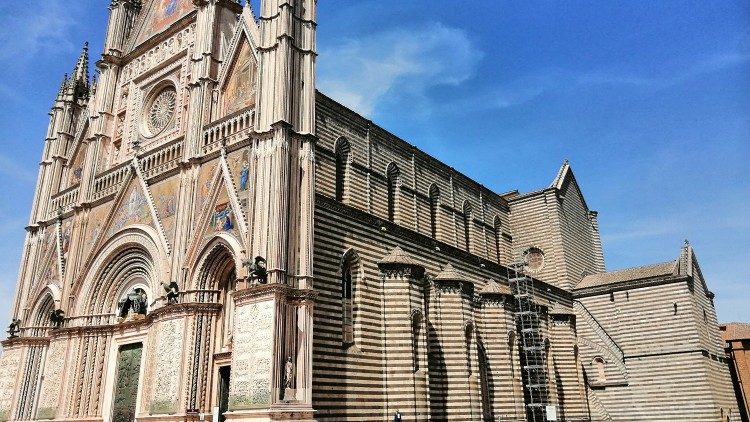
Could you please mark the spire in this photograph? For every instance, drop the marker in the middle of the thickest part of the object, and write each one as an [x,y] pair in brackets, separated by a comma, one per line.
[79,81]
[63,86]
[81,71]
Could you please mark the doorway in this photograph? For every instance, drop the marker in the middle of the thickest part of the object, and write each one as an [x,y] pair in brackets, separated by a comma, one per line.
[224,373]
[127,381]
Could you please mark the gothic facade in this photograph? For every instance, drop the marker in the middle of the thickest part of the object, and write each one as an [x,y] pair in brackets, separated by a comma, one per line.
[213,238]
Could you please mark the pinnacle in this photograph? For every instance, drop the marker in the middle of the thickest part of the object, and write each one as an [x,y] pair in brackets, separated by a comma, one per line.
[81,70]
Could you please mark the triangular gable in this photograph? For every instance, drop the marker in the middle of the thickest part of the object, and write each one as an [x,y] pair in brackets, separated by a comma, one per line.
[564,178]
[130,207]
[238,78]
[156,17]
[221,213]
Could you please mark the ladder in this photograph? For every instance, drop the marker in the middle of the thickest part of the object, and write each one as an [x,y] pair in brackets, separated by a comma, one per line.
[530,342]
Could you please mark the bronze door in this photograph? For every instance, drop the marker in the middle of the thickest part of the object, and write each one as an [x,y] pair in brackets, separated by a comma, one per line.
[127,380]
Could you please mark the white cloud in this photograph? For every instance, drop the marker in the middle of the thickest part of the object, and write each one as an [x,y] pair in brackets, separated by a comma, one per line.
[361,72]
[35,26]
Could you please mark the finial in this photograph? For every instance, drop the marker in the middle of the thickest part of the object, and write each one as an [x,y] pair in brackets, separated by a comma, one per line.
[687,242]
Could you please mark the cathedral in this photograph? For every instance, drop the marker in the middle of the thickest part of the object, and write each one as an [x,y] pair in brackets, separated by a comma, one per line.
[213,239]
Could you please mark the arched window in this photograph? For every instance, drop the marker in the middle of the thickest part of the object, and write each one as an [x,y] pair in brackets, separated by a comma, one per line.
[468,218]
[342,151]
[599,365]
[348,276]
[434,209]
[394,175]
[498,225]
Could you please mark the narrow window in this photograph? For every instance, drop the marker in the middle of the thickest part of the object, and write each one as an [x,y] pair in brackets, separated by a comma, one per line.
[346,304]
[675,308]
[393,175]
[434,208]
[342,152]
[467,224]
[611,296]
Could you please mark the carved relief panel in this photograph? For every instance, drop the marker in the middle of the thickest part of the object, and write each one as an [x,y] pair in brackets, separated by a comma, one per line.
[167,363]
[252,359]
[10,364]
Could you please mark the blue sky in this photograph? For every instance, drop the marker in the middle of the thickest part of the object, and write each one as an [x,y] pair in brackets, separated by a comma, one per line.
[650,102]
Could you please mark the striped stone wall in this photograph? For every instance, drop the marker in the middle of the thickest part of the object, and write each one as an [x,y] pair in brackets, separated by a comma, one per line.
[671,367]
[461,366]
[373,149]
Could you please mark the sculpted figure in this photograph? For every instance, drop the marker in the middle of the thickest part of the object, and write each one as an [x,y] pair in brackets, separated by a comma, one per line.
[257,269]
[288,373]
[14,328]
[57,316]
[173,292]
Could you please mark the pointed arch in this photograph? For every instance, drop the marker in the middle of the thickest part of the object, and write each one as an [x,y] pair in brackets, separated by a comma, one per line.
[39,320]
[342,153]
[393,176]
[434,195]
[132,256]
[217,270]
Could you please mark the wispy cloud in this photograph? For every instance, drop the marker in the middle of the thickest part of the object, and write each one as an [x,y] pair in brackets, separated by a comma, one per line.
[34,27]
[11,170]
[361,72]
[530,87]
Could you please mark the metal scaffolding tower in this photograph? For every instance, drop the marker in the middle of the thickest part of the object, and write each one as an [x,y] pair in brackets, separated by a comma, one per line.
[531,343]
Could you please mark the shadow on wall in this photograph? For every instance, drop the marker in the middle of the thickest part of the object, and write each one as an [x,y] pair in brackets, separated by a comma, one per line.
[438,376]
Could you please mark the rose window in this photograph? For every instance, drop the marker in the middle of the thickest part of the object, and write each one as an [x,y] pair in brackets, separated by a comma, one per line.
[161,111]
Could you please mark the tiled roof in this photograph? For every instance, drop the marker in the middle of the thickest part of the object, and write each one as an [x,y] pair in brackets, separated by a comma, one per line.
[494,288]
[397,256]
[450,274]
[628,274]
[735,331]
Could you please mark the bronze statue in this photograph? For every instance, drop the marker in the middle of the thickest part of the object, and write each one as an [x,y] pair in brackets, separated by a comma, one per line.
[57,316]
[136,302]
[257,269]
[14,328]
[173,292]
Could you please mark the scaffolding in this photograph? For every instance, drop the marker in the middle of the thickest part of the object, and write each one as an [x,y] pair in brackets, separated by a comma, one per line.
[531,343]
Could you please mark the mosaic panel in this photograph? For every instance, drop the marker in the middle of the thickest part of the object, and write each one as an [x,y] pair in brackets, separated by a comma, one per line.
[163,14]
[165,196]
[240,89]
[133,210]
